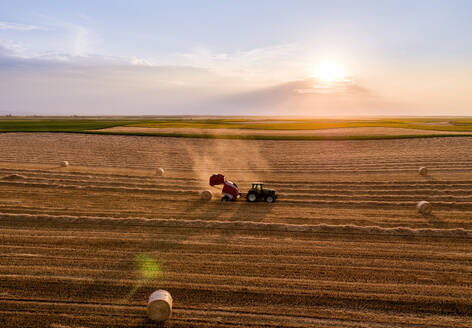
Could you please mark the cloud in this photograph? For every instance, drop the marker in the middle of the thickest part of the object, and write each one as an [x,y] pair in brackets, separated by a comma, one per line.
[80,45]
[81,42]
[9,48]
[206,57]
[77,82]
[20,27]
[55,83]
[303,97]
[14,55]
[68,39]
[252,65]
[316,86]
[142,62]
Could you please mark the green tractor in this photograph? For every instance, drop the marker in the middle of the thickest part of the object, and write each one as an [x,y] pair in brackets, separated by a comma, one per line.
[258,192]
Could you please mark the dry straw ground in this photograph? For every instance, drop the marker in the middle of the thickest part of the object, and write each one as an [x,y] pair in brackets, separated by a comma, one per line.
[342,247]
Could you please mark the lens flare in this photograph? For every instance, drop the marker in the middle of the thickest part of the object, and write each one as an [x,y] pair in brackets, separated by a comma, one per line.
[148,267]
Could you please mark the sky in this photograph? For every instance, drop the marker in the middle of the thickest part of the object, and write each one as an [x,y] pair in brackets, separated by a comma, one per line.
[310,58]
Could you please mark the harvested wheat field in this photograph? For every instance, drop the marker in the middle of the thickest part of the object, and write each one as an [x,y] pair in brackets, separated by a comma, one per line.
[341,132]
[343,246]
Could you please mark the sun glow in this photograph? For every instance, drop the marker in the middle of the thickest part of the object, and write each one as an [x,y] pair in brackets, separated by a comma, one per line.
[328,72]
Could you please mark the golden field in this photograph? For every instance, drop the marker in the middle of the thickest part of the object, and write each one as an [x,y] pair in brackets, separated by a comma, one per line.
[342,247]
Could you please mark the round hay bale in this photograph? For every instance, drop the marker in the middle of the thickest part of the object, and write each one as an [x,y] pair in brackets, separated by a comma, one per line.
[159,171]
[159,305]
[206,195]
[424,207]
[65,164]
[423,170]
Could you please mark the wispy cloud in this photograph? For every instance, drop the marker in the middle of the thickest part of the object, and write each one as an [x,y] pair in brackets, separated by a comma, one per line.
[75,42]
[12,49]
[317,86]
[250,65]
[81,41]
[71,43]
[142,62]
[20,27]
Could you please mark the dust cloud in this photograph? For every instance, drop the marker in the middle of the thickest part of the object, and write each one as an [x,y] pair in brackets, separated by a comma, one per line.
[241,161]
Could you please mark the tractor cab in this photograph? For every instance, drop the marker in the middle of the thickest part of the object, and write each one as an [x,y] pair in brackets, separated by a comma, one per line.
[257,186]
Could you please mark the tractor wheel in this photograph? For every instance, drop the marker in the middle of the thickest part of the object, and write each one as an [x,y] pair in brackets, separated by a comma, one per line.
[225,199]
[269,199]
[251,197]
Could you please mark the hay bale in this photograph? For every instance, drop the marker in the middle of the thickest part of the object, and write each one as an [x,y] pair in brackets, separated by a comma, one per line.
[65,164]
[423,171]
[206,195]
[424,207]
[159,171]
[159,305]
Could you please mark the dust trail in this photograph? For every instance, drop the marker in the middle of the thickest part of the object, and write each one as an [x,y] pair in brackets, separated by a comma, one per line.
[204,162]
[238,160]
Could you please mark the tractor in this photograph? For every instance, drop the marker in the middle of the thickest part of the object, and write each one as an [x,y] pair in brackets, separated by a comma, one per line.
[258,192]
[231,191]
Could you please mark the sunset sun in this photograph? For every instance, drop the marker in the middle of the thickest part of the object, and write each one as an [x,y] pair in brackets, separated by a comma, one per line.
[328,72]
